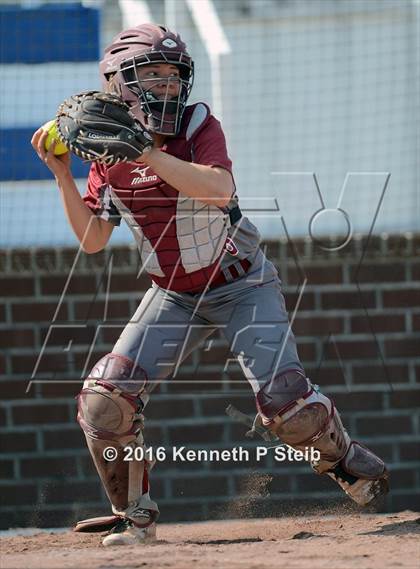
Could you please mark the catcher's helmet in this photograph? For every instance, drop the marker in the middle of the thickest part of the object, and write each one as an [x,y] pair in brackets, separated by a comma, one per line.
[143,45]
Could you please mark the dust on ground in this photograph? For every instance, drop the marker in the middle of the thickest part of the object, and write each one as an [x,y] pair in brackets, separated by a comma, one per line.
[354,541]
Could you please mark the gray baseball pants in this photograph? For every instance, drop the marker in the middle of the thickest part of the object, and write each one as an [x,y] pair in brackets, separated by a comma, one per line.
[249,311]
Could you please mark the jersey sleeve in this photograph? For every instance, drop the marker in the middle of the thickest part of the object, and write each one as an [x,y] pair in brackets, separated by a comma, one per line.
[209,146]
[98,195]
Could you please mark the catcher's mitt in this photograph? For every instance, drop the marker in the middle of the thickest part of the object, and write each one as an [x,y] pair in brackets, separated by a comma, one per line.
[99,127]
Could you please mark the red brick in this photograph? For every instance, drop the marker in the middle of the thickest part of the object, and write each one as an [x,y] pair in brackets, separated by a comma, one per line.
[319,274]
[94,310]
[170,409]
[216,355]
[2,417]
[314,483]
[18,442]
[6,469]
[379,374]
[403,478]
[40,414]
[193,434]
[14,389]
[17,338]
[83,359]
[203,486]
[128,282]
[121,256]
[416,322]
[64,439]
[48,363]
[415,271]
[58,492]
[306,351]
[348,300]
[405,399]
[68,388]
[279,483]
[79,284]
[18,494]
[17,286]
[216,406]
[360,401]
[307,302]
[378,323]
[38,312]
[378,272]
[110,335]
[326,375]
[272,250]
[196,512]
[380,426]
[405,347]
[199,382]
[352,349]
[87,466]
[316,325]
[43,467]
[294,248]
[4,256]
[2,313]
[401,298]
[255,485]
[409,451]
[406,501]
[2,364]
[383,450]
[61,335]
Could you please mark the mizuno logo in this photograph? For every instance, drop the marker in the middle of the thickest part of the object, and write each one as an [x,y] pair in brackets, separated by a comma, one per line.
[142,178]
[140,171]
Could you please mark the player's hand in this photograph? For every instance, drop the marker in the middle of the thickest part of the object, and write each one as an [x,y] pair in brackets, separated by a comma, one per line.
[59,165]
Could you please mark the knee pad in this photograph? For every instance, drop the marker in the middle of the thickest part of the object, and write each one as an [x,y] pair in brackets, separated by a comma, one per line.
[110,407]
[110,403]
[295,411]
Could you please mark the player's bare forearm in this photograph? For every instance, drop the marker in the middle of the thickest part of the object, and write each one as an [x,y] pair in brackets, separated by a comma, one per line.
[210,185]
[92,232]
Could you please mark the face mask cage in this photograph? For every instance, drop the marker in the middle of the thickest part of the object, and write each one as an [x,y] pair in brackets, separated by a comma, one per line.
[163,114]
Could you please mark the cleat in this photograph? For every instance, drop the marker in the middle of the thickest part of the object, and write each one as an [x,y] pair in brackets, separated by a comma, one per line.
[126,533]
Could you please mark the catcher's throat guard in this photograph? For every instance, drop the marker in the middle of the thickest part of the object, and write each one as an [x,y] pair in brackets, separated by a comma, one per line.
[109,412]
[299,415]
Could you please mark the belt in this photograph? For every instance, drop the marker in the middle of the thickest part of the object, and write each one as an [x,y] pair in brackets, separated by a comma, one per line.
[231,273]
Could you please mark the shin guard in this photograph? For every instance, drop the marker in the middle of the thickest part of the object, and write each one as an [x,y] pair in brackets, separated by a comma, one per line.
[295,411]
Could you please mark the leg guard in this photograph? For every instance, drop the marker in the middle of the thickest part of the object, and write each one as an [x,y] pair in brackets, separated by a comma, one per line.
[293,409]
[109,412]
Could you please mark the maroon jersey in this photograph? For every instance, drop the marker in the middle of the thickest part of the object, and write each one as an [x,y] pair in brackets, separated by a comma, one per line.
[181,240]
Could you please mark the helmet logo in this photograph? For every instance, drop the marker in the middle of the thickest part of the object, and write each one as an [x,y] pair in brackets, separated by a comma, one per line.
[169,43]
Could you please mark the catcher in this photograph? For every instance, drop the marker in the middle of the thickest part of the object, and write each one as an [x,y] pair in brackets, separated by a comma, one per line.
[163,167]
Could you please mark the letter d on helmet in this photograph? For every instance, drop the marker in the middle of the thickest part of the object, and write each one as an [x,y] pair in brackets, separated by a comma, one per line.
[143,45]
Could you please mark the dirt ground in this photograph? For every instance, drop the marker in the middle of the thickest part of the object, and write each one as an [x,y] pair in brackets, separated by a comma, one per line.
[362,541]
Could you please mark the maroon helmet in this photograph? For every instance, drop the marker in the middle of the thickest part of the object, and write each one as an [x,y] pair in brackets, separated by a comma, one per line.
[144,45]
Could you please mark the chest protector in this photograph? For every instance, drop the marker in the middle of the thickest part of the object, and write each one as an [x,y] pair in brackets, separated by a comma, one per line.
[180,239]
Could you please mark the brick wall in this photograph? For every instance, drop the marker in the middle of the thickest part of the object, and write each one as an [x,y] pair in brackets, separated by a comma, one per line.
[358,331]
